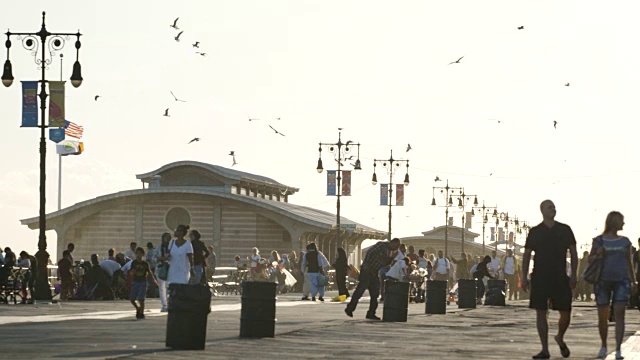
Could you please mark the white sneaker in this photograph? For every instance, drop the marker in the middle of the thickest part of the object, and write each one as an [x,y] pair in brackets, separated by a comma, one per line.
[602,353]
[619,355]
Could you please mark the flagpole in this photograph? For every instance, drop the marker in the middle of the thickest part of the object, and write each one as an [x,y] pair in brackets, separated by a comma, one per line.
[60,159]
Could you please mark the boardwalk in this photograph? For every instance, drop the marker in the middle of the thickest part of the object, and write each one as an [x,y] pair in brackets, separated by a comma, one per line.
[107,330]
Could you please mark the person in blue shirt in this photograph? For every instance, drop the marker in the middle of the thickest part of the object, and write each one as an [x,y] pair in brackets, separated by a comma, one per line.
[617,279]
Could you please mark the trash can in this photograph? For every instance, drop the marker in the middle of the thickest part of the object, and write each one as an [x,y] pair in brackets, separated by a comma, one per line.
[467,294]
[396,301]
[189,306]
[436,297]
[495,293]
[258,314]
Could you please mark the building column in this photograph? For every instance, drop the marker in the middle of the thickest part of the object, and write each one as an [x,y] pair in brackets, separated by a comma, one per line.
[139,233]
[217,232]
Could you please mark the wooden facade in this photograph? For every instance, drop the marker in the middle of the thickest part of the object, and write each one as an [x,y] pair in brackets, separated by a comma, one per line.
[233,211]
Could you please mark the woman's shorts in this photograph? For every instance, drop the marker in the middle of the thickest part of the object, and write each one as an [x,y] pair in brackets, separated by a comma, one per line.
[618,291]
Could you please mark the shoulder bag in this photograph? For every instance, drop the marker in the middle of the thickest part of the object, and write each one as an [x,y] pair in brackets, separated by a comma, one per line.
[592,273]
[163,268]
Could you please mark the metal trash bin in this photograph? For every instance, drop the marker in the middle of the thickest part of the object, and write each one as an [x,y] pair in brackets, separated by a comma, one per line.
[495,293]
[467,293]
[258,314]
[396,301]
[189,306]
[437,291]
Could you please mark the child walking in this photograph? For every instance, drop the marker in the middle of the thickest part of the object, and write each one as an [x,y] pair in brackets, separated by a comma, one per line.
[141,272]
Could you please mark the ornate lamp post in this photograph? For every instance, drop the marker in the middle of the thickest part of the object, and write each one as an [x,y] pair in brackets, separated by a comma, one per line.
[341,153]
[445,190]
[389,165]
[484,210]
[46,44]
[462,204]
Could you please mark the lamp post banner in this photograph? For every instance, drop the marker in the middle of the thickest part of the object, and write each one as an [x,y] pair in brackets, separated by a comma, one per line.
[384,194]
[56,104]
[493,234]
[346,182]
[331,182]
[29,104]
[56,134]
[399,194]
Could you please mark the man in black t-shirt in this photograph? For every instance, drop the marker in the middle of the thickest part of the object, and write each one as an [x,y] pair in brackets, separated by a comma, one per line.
[550,241]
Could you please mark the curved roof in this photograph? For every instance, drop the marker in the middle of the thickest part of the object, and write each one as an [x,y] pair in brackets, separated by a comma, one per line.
[222,171]
[304,214]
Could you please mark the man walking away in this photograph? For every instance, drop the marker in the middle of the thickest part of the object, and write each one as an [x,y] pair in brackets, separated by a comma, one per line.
[509,265]
[378,256]
[550,241]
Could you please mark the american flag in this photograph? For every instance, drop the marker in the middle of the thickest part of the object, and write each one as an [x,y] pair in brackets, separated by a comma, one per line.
[72,129]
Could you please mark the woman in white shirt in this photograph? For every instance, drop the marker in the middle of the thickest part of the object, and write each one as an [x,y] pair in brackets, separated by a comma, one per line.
[180,257]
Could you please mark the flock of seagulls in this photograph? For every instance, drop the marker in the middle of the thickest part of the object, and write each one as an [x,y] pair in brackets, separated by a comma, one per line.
[555,123]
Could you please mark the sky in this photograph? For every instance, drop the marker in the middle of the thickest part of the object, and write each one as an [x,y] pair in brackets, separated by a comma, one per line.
[377,69]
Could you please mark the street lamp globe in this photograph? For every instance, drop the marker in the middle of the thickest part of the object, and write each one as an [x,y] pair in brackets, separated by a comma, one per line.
[406,180]
[7,74]
[319,168]
[76,76]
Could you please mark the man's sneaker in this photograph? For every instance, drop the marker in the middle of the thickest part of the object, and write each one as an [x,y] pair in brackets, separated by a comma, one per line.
[141,316]
[305,298]
[138,314]
[320,298]
[373,317]
[313,298]
[164,309]
[349,312]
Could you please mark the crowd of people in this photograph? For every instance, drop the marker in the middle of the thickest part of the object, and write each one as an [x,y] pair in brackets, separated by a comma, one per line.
[554,283]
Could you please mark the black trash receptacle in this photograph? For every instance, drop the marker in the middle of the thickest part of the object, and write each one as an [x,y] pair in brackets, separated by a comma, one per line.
[495,293]
[467,294]
[396,301]
[189,306]
[258,314]
[437,297]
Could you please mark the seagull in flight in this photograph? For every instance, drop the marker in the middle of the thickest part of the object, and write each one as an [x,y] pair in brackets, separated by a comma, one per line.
[194,139]
[277,118]
[201,53]
[520,27]
[567,84]
[166,113]
[250,119]
[175,24]
[555,123]
[177,38]
[499,121]
[437,179]
[277,132]
[457,61]
[408,147]
[96,97]
[174,97]
[197,44]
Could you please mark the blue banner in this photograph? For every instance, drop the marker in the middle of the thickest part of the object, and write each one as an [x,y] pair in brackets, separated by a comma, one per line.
[331,183]
[56,135]
[29,104]
[384,194]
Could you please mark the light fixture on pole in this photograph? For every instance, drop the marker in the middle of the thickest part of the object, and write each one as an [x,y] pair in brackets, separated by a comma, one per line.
[447,192]
[484,210]
[341,154]
[391,165]
[463,199]
[45,44]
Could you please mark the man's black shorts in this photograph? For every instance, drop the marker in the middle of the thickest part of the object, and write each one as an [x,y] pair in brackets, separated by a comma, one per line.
[550,292]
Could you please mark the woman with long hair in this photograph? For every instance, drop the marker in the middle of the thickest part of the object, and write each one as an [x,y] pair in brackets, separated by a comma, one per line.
[342,267]
[163,254]
[617,278]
